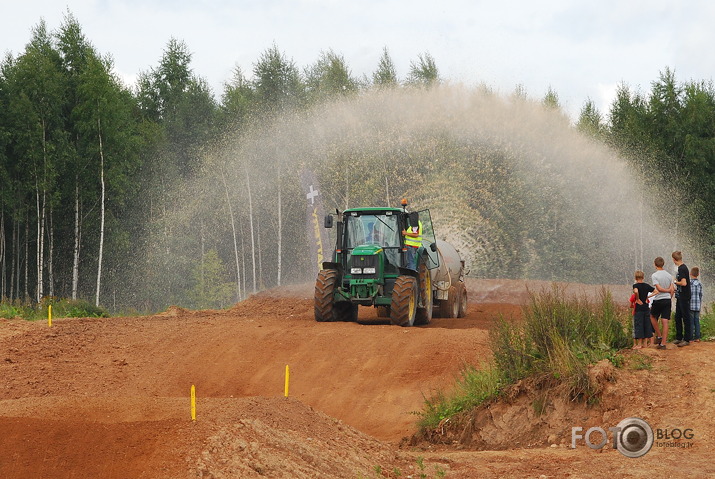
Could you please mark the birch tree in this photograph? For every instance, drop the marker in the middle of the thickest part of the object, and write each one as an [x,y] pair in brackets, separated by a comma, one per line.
[38,140]
[424,71]
[329,77]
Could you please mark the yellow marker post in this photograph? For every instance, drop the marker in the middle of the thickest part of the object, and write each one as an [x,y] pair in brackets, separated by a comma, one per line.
[49,315]
[287,380]
[193,402]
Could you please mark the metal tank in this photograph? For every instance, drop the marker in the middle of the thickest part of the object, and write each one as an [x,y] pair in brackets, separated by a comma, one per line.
[451,267]
[449,290]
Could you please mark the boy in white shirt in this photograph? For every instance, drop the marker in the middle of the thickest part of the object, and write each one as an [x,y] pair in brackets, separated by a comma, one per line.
[662,302]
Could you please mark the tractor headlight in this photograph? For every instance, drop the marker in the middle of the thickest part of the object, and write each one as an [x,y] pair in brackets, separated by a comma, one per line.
[368,270]
[355,270]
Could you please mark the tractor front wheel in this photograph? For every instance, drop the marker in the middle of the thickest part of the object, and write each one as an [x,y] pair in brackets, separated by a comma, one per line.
[403,308]
[324,303]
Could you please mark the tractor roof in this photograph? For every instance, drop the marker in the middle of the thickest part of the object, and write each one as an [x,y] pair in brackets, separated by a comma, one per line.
[373,210]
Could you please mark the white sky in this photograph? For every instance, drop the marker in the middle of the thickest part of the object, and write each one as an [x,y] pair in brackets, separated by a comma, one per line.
[581,49]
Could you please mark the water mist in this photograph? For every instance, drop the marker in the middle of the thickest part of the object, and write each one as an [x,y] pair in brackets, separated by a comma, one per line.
[511,184]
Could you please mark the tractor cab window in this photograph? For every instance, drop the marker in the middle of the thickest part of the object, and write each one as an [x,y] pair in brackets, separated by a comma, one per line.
[372,229]
[379,229]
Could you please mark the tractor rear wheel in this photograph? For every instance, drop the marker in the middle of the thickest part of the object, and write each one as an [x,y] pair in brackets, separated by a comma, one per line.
[462,293]
[403,308]
[450,306]
[424,312]
[324,303]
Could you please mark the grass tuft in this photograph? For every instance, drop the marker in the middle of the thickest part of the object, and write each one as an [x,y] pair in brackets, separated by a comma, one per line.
[473,387]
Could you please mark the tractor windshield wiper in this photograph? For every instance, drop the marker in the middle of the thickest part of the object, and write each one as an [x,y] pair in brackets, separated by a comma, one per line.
[383,222]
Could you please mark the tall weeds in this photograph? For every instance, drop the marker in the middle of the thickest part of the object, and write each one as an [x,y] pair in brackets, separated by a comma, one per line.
[557,340]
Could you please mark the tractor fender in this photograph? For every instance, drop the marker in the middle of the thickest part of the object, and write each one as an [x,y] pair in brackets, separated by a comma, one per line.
[408,272]
[336,266]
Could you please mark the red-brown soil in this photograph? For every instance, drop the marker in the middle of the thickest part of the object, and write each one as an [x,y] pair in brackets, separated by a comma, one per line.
[110,398]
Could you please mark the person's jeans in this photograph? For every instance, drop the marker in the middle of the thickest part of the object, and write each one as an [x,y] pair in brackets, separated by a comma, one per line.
[412,257]
[683,321]
[696,324]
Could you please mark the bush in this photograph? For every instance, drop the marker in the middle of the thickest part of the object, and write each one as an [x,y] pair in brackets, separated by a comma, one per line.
[14,309]
[61,308]
[561,336]
[557,341]
[80,308]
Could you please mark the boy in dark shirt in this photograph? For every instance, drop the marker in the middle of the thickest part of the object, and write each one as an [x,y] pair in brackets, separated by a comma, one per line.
[682,303]
[641,317]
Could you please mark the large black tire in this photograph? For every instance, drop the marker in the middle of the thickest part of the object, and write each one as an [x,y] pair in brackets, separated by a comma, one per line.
[449,308]
[424,308]
[403,308]
[462,293]
[324,303]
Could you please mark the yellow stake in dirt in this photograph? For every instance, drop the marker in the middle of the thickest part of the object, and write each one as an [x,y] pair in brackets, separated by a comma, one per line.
[49,315]
[287,380]
[193,402]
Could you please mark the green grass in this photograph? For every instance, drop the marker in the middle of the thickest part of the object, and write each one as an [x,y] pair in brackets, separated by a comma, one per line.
[558,339]
[61,308]
[707,324]
[473,387]
[639,362]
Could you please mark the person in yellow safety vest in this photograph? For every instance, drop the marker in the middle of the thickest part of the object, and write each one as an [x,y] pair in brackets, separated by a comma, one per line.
[413,239]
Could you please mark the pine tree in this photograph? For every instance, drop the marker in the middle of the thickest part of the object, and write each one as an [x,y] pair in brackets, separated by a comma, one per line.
[278,84]
[551,99]
[386,75]
[589,120]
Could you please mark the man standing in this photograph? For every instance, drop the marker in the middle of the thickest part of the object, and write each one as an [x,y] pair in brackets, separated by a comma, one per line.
[682,303]
[413,239]
[661,303]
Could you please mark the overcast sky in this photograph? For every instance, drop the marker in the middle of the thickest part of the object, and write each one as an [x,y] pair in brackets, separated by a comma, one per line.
[581,49]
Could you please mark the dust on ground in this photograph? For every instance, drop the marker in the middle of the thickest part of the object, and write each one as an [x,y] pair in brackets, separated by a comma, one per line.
[110,397]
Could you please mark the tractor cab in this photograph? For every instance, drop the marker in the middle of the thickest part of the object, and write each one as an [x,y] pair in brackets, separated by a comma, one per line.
[371,231]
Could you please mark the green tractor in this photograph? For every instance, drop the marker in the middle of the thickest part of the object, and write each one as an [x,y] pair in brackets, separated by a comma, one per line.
[373,265]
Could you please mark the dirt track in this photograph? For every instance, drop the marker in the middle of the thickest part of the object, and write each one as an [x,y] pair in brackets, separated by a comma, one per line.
[110,397]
